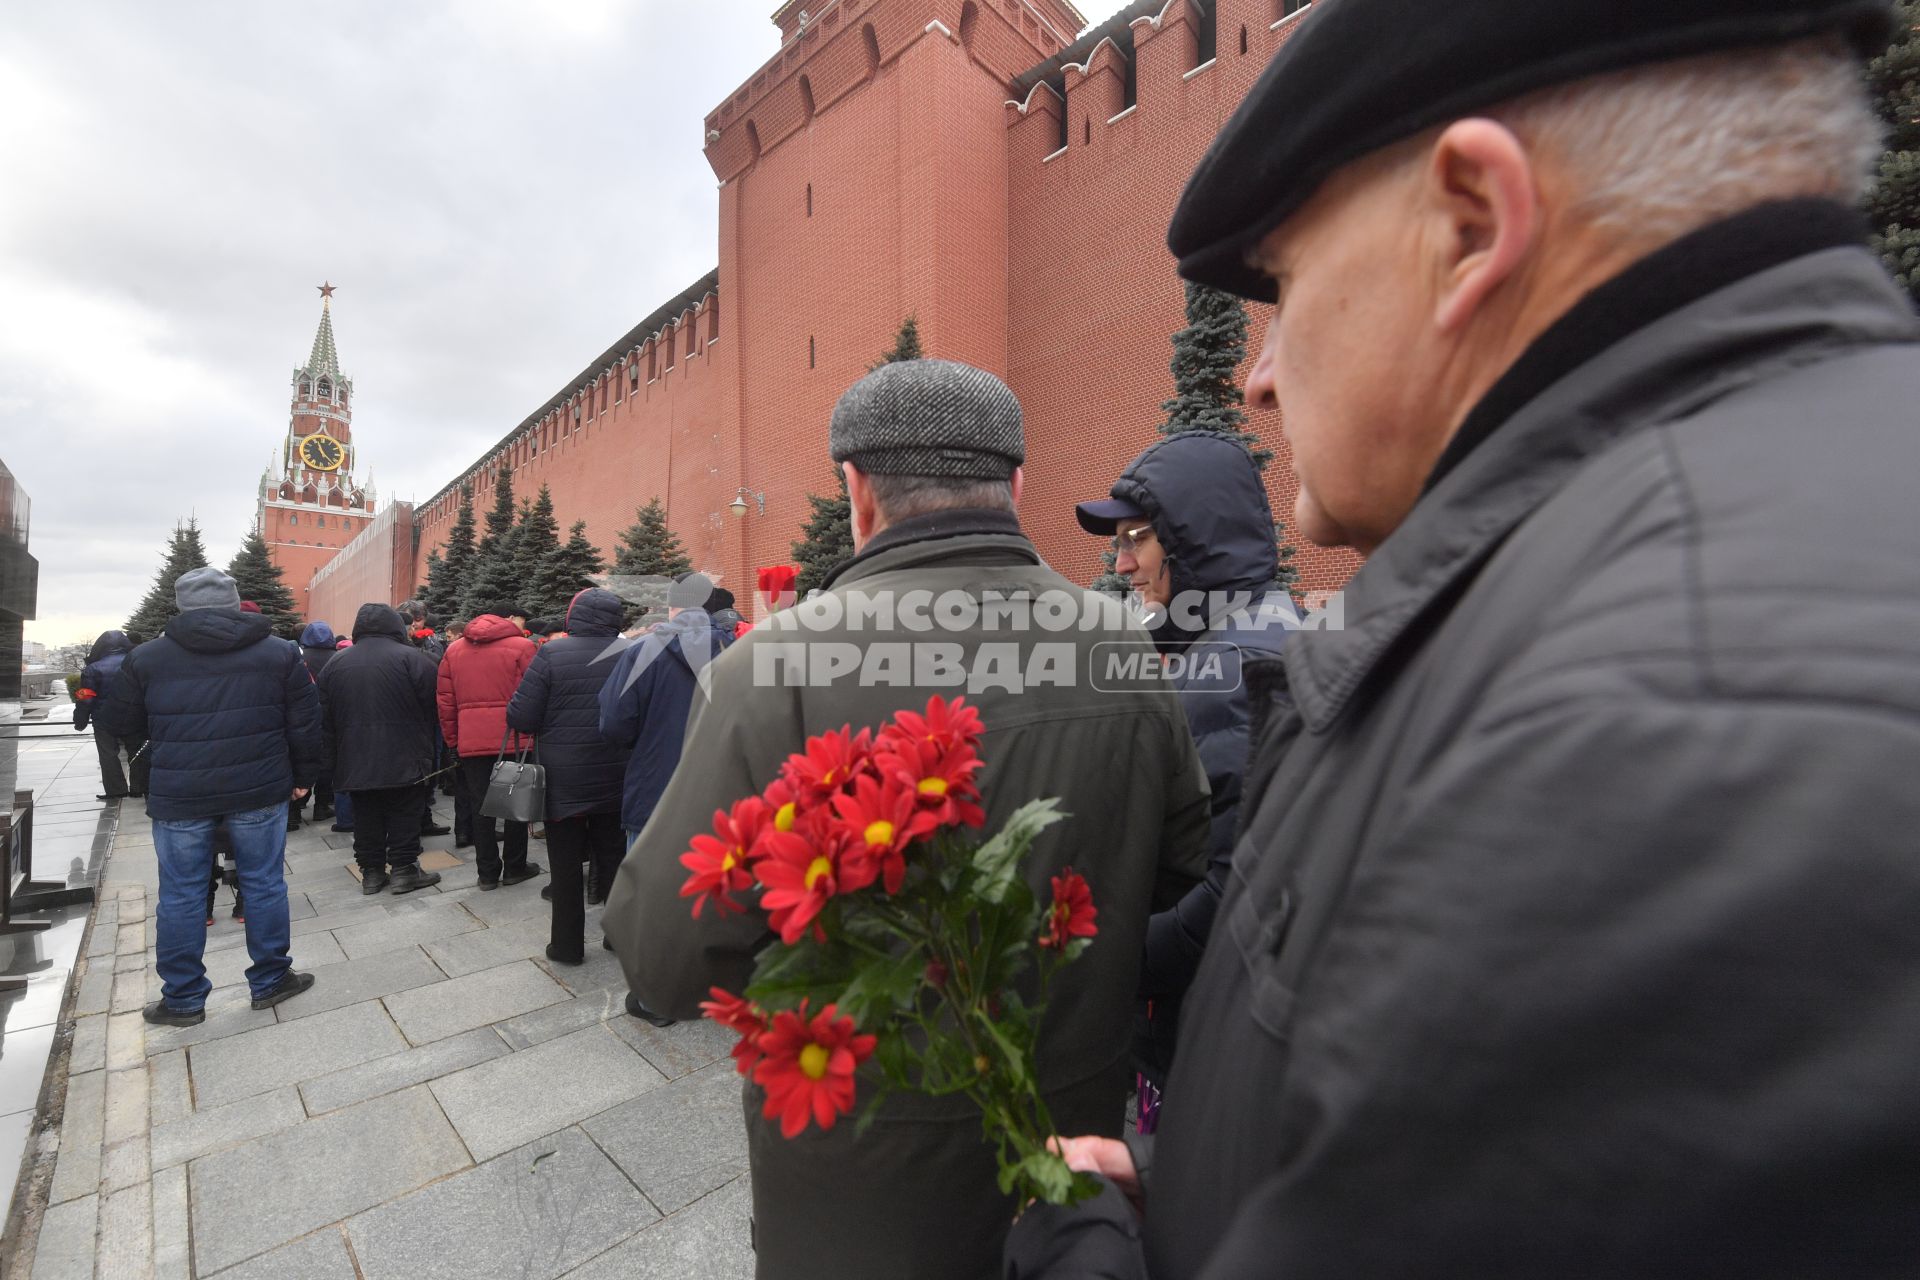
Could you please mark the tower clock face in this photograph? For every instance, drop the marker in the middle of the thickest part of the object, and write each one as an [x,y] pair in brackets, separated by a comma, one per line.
[322,452]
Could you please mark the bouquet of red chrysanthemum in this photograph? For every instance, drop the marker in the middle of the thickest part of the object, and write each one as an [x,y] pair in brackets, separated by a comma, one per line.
[901,941]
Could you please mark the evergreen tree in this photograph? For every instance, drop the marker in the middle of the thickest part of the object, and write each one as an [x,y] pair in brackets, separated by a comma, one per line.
[493,579]
[569,570]
[827,537]
[259,579]
[1207,397]
[184,554]
[447,574]
[648,548]
[1894,204]
[534,546]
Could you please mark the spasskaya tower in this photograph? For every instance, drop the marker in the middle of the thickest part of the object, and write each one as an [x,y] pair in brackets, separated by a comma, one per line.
[310,503]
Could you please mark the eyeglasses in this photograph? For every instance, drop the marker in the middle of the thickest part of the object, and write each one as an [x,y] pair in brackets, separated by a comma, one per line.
[1127,541]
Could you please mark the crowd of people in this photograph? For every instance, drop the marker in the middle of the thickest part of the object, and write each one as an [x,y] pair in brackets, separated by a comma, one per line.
[1551,917]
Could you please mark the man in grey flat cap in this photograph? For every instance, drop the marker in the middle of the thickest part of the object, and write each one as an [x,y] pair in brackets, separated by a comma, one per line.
[232,720]
[931,451]
[1571,928]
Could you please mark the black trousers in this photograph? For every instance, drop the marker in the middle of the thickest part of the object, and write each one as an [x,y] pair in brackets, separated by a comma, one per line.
[322,796]
[386,827]
[113,781]
[587,841]
[474,771]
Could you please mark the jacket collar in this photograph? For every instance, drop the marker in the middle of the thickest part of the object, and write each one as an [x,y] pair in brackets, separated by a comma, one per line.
[924,539]
[1683,353]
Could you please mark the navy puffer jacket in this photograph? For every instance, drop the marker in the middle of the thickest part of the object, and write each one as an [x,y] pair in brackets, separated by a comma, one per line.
[558,701]
[377,707]
[645,702]
[96,681]
[230,714]
[1211,516]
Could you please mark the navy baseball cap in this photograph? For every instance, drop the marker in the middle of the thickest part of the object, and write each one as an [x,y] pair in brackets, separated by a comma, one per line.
[1103,516]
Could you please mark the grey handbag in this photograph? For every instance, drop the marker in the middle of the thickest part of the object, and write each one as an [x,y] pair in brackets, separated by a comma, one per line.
[516,790]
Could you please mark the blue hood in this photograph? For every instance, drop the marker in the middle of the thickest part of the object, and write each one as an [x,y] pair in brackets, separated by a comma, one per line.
[318,635]
[218,630]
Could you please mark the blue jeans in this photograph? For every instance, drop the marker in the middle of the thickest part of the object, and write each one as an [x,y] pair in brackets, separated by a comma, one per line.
[185,849]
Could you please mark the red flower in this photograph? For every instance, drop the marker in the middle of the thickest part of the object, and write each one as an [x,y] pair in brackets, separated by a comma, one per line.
[880,819]
[830,761]
[786,804]
[1071,915]
[800,875]
[719,861]
[739,1015]
[946,724]
[807,1068]
[942,781]
[86,695]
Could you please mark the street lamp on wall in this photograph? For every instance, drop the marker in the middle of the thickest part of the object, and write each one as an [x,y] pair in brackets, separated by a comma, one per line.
[739,504]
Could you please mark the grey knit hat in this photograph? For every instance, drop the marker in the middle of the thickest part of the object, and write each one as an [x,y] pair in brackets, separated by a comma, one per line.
[929,418]
[205,589]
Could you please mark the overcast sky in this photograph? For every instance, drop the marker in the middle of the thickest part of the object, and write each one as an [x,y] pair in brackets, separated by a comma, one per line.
[500,188]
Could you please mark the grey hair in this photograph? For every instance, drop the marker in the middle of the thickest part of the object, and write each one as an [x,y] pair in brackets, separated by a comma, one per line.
[902,497]
[1661,150]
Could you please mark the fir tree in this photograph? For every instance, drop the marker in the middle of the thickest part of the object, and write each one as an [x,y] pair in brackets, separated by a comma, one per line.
[1207,397]
[1894,204]
[447,574]
[827,537]
[492,580]
[568,571]
[184,554]
[648,548]
[259,579]
[537,540]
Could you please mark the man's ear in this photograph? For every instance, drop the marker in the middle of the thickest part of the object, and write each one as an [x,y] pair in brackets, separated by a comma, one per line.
[863,510]
[1480,184]
[1019,479]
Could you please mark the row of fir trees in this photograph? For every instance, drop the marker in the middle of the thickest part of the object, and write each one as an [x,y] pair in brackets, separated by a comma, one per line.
[253,571]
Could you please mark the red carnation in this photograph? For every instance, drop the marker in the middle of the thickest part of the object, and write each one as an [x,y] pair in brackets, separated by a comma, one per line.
[807,1068]
[719,861]
[1071,915]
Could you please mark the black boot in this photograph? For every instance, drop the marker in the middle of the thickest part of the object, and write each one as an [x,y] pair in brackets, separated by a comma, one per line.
[645,1014]
[373,880]
[514,875]
[410,877]
[321,812]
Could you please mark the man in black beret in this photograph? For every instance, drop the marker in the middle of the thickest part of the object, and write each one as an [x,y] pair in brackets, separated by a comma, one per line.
[1570,930]
[931,451]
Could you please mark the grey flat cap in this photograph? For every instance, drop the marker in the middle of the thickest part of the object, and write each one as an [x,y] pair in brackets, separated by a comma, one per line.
[205,589]
[930,418]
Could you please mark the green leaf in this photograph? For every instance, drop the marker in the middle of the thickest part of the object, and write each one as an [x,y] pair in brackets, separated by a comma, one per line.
[996,864]
[880,987]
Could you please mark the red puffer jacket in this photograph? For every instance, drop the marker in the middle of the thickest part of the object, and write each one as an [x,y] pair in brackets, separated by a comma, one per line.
[477,678]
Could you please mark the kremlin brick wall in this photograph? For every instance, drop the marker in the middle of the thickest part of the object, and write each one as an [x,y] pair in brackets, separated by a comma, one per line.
[876,169]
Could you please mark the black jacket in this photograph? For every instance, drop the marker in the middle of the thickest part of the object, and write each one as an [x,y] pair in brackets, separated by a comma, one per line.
[558,701]
[377,702]
[318,644]
[1571,929]
[1209,510]
[230,714]
[96,681]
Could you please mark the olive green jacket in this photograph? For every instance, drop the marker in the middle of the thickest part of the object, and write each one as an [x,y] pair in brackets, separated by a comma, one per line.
[915,1195]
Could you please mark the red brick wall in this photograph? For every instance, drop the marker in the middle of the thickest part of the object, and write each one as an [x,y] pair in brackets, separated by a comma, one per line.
[930,196]
[376,570]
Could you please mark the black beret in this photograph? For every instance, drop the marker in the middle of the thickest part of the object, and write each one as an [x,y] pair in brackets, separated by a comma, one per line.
[1360,74]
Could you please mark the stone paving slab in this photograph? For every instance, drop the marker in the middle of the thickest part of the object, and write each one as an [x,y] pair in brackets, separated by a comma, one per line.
[320,1256]
[405,928]
[484,948]
[681,1141]
[706,1241]
[475,1000]
[678,1050]
[401,1070]
[352,981]
[561,1019]
[65,1247]
[532,1213]
[510,1101]
[169,1088]
[317,1173]
[229,965]
[238,1067]
[172,1246]
[229,1011]
[218,1127]
[77,1171]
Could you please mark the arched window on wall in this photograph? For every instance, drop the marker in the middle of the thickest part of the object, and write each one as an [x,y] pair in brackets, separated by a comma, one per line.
[306,389]
[324,389]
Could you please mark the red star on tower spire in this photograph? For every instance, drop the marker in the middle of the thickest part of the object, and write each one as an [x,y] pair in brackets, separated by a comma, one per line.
[326,290]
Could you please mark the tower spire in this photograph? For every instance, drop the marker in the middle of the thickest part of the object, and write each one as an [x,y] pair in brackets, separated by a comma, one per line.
[324,358]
